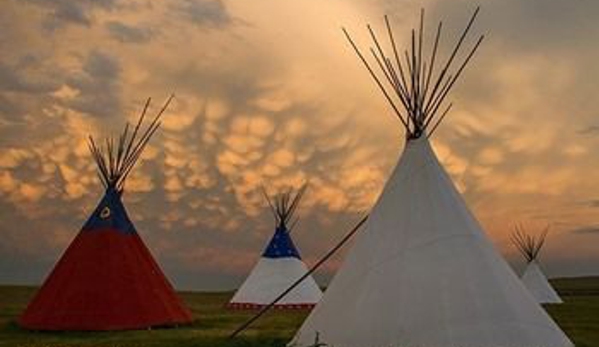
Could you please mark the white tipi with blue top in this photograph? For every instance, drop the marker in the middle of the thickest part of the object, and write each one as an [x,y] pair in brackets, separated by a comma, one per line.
[279,266]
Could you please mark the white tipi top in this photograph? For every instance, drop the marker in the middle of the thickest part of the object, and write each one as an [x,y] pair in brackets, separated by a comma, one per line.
[422,273]
[538,285]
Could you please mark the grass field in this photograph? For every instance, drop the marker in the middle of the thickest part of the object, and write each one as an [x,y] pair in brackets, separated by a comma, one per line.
[579,317]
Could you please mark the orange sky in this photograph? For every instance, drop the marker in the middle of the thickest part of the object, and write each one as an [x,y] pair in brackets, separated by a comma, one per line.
[269,92]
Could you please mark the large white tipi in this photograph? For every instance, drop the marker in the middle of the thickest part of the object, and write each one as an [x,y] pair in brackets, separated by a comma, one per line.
[422,273]
[280,264]
[533,277]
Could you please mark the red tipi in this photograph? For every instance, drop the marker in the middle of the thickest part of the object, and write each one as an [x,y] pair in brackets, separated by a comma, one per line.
[107,279]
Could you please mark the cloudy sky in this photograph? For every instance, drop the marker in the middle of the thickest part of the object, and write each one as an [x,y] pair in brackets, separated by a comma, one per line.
[269,92]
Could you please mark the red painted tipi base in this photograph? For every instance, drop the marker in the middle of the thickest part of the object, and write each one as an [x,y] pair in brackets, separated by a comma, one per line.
[106,280]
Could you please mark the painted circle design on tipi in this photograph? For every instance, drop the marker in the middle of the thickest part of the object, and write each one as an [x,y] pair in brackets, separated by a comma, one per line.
[105,213]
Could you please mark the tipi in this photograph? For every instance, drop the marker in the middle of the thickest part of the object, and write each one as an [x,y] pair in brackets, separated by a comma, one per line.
[422,272]
[280,264]
[107,279]
[533,278]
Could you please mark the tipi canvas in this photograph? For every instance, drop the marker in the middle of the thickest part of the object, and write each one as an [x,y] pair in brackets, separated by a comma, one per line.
[107,279]
[422,273]
[533,277]
[279,266]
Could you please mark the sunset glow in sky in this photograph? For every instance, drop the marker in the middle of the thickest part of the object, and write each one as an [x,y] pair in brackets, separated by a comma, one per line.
[270,93]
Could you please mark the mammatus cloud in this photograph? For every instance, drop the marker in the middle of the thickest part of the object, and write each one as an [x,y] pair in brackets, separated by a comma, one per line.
[589,130]
[17,78]
[589,229]
[96,88]
[129,33]
[277,103]
[58,13]
[205,13]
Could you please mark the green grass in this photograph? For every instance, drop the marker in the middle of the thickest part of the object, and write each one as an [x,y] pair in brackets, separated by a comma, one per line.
[579,317]
[212,324]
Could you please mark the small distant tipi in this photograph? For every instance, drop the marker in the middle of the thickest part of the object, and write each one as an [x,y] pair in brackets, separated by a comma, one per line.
[280,264]
[107,279]
[422,272]
[533,277]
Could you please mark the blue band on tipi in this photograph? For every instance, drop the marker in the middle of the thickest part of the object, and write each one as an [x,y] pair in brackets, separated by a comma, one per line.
[110,214]
[281,246]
